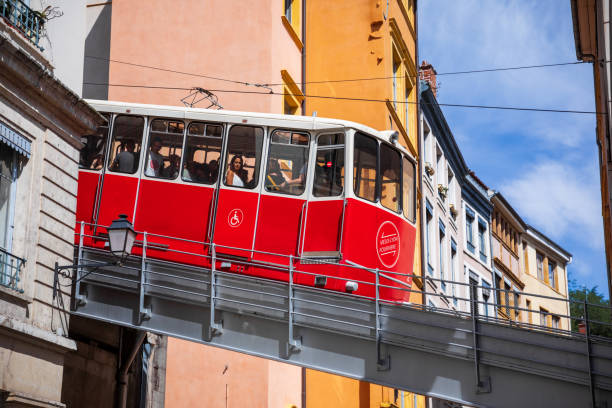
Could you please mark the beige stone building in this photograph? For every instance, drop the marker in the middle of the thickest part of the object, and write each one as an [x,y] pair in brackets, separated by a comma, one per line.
[545,265]
[41,123]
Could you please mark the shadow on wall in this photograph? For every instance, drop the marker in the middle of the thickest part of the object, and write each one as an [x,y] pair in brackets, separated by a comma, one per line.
[97,45]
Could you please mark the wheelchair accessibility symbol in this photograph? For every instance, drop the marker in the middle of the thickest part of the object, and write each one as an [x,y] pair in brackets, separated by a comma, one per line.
[235,217]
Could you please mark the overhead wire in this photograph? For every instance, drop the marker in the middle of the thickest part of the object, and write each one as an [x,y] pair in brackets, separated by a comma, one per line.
[265,85]
[454,105]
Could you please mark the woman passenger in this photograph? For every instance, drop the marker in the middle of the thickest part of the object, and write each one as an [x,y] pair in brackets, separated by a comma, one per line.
[236,174]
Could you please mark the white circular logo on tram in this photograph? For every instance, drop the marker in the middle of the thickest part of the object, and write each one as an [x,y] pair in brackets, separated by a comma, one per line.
[388,244]
[235,217]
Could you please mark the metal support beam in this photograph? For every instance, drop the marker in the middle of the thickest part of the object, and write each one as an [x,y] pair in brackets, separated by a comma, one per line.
[144,313]
[214,327]
[433,351]
[293,345]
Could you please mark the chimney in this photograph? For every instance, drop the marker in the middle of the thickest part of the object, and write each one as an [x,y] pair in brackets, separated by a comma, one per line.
[427,73]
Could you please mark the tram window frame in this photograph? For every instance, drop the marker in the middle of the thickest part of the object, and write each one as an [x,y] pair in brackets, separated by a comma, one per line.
[254,182]
[356,185]
[100,152]
[113,156]
[205,135]
[399,176]
[303,171]
[408,161]
[332,147]
[152,138]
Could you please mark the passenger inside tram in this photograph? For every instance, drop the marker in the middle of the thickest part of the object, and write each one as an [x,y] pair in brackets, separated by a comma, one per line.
[125,161]
[155,160]
[236,174]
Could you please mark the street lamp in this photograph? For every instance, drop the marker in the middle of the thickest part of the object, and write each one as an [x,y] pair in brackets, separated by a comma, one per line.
[121,235]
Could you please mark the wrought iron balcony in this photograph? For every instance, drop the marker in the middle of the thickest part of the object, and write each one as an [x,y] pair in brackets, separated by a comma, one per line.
[28,22]
[10,266]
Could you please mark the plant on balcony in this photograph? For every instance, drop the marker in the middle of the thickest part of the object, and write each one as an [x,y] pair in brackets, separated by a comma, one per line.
[453,210]
[442,191]
[429,169]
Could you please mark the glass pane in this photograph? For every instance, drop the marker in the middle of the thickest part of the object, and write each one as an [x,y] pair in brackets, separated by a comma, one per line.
[243,156]
[127,140]
[390,181]
[165,149]
[364,167]
[6,179]
[329,167]
[287,164]
[92,153]
[202,153]
[408,190]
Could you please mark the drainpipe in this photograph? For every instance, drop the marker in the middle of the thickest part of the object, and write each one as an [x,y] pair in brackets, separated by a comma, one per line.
[122,375]
[304,56]
[418,95]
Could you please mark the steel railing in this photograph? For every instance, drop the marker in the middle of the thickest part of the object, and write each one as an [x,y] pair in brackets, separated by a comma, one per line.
[28,22]
[455,298]
[10,268]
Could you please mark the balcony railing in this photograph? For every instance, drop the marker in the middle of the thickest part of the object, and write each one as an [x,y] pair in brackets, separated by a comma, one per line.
[10,266]
[27,21]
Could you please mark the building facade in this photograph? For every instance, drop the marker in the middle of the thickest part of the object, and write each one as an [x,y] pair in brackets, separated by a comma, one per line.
[455,218]
[592,40]
[41,124]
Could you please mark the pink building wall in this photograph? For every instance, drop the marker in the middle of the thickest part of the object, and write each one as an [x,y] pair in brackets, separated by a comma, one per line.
[243,41]
[231,40]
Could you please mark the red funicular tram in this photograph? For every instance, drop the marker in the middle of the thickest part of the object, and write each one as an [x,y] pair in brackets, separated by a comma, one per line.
[257,188]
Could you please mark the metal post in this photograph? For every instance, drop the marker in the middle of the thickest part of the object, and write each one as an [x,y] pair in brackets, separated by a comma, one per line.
[292,344]
[80,300]
[215,328]
[481,386]
[588,347]
[145,313]
[384,362]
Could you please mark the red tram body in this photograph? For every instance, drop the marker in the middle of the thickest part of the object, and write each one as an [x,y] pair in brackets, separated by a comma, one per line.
[257,188]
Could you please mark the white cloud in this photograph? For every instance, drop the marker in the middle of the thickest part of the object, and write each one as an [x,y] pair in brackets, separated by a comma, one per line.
[562,201]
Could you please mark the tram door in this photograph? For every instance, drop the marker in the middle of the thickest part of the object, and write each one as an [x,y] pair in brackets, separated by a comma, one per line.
[91,173]
[282,203]
[322,226]
[120,182]
[238,196]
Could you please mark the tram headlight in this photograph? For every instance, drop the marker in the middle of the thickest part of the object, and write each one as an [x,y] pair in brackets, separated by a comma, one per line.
[121,235]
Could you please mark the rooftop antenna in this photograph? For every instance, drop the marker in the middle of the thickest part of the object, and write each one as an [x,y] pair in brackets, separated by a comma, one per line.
[197,95]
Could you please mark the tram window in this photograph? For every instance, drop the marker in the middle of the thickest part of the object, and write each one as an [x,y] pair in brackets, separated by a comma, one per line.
[408,190]
[390,177]
[125,148]
[165,149]
[202,153]
[329,166]
[92,153]
[365,159]
[243,156]
[287,163]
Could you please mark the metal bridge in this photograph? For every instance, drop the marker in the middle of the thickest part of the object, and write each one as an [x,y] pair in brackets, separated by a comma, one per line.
[456,356]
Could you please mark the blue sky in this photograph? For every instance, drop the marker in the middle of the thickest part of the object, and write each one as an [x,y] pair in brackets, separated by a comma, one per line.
[545,164]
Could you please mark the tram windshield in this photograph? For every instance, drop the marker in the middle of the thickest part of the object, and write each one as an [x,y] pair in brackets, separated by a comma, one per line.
[202,153]
[92,153]
[329,166]
[165,149]
[125,147]
[288,162]
[244,147]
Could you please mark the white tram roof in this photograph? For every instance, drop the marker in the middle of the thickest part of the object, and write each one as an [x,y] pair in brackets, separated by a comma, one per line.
[251,118]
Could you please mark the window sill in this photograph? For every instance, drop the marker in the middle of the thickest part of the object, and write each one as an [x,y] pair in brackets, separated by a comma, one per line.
[294,36]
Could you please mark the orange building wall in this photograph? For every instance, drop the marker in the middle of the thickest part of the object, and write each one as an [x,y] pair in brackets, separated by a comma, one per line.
[202,376]
[352,40]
